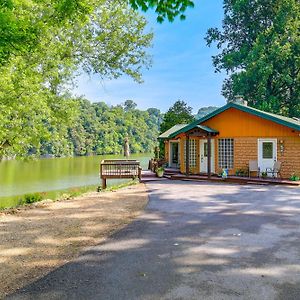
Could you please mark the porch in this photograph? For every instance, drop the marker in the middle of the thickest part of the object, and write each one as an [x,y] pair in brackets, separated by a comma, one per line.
[235,179]
[193,151]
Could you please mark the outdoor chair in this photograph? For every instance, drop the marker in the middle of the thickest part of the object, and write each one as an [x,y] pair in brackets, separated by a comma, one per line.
[253,167]
[275,170]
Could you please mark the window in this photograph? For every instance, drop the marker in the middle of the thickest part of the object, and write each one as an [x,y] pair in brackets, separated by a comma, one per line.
[267,148]
[226,147]
[174,153]
[205,149]
[192,146]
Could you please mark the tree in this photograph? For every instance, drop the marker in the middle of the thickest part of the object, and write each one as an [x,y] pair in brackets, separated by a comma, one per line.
[178,113]
[203,111]
[129,105]
[33,94]
[260,49]
[22,23]
[165,9]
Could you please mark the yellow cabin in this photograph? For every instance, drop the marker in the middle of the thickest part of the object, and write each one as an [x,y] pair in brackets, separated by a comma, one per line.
[232,137]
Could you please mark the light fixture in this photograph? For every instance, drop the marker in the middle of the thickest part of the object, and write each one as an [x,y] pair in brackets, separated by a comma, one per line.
[281,146]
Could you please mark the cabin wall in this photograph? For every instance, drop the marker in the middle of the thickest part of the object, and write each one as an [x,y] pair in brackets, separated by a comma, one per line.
[196,168]
[246,149]
[235,123]
[167,146]
[246,129]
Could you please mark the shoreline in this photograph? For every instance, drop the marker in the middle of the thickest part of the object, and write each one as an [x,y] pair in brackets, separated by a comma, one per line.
[56,195]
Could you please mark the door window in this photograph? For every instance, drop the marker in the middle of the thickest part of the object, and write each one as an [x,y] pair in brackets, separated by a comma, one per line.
[267,149]
[205,149]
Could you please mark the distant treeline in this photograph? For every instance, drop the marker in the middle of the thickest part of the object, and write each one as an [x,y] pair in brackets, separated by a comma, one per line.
[101,129]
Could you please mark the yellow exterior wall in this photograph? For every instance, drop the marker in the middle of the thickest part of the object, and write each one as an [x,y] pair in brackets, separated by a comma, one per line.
[235,123]
[182,161]
[246,129]
[246,149]
[167,146]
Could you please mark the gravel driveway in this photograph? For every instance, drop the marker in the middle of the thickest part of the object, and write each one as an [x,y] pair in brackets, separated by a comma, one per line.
[194,241]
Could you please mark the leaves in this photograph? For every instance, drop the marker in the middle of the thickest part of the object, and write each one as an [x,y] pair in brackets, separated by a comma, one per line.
[179,113]
[165,9]
[36,106]
[260,51]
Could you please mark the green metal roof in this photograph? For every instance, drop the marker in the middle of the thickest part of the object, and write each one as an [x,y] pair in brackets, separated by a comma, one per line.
[169,132]
[207,129]
[285,121]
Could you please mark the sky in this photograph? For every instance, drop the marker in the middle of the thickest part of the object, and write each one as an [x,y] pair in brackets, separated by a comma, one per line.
[182,66]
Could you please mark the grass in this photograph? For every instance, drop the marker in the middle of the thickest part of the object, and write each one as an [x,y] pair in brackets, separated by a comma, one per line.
[28,199]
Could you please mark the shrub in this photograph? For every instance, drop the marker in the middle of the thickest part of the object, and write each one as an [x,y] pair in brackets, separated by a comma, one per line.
[31,198]
[294,177]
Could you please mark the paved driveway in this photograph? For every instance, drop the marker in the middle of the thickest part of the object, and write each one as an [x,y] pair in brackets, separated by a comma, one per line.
[195,241]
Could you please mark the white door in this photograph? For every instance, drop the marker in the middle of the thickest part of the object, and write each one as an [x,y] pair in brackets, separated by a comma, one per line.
[267,153]
[203,156]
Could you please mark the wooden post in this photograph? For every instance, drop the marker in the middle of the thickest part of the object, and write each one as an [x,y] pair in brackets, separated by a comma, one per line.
[209,155]
[140,174]
[103,179]
[187,155]
[103,183]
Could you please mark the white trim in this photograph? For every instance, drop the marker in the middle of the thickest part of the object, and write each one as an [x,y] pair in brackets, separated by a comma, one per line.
[261,165]
[170,151]
[213,145]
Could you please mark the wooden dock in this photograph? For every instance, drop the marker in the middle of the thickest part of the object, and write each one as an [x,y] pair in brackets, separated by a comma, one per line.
[118,169]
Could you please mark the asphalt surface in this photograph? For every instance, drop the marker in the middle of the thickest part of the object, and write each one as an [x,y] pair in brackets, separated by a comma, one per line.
[194,241]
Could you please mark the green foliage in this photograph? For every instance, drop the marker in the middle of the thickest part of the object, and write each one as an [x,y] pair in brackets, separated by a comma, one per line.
[203,111]
[294,177]
[166,9]
[23,24]
[178,113]
[260,49]
[101,129]
[242,172]
[160,172]
[31,198]
[46,43]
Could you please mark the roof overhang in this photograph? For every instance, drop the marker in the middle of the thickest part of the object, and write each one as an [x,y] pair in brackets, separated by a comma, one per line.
[285,121]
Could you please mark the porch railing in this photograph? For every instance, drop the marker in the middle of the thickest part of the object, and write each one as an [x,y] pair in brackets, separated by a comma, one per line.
[118,169]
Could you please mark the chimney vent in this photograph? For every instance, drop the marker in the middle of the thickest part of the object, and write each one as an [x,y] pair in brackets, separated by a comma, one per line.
[238,99]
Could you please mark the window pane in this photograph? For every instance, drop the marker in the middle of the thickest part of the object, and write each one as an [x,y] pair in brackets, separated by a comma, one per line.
[226,153]
[192,153]
[267,149]
[205,149]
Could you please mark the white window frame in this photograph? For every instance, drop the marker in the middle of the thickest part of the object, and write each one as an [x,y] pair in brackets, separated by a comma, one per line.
[193,153]
[224,161]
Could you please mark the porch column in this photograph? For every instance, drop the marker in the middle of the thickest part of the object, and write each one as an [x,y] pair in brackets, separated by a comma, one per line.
[187,155]
[209,155]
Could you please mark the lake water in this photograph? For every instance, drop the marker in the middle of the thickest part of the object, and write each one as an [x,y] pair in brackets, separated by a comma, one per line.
[43,175]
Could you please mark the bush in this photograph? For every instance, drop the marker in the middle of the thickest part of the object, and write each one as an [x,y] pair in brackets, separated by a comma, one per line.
[295,177]
[31,198]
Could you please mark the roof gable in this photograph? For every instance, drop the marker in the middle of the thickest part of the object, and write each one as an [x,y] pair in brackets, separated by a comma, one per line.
[285,121]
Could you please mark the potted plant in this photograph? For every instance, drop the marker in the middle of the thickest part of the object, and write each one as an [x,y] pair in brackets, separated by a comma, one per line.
[160,172]
[264,174]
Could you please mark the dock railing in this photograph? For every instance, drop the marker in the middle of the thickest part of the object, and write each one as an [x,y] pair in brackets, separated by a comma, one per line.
[118,169]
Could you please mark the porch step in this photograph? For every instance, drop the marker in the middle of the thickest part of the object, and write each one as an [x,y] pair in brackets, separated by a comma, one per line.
[238,180]
[171,171]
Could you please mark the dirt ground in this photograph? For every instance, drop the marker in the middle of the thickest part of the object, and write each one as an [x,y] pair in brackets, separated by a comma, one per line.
[35,240]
